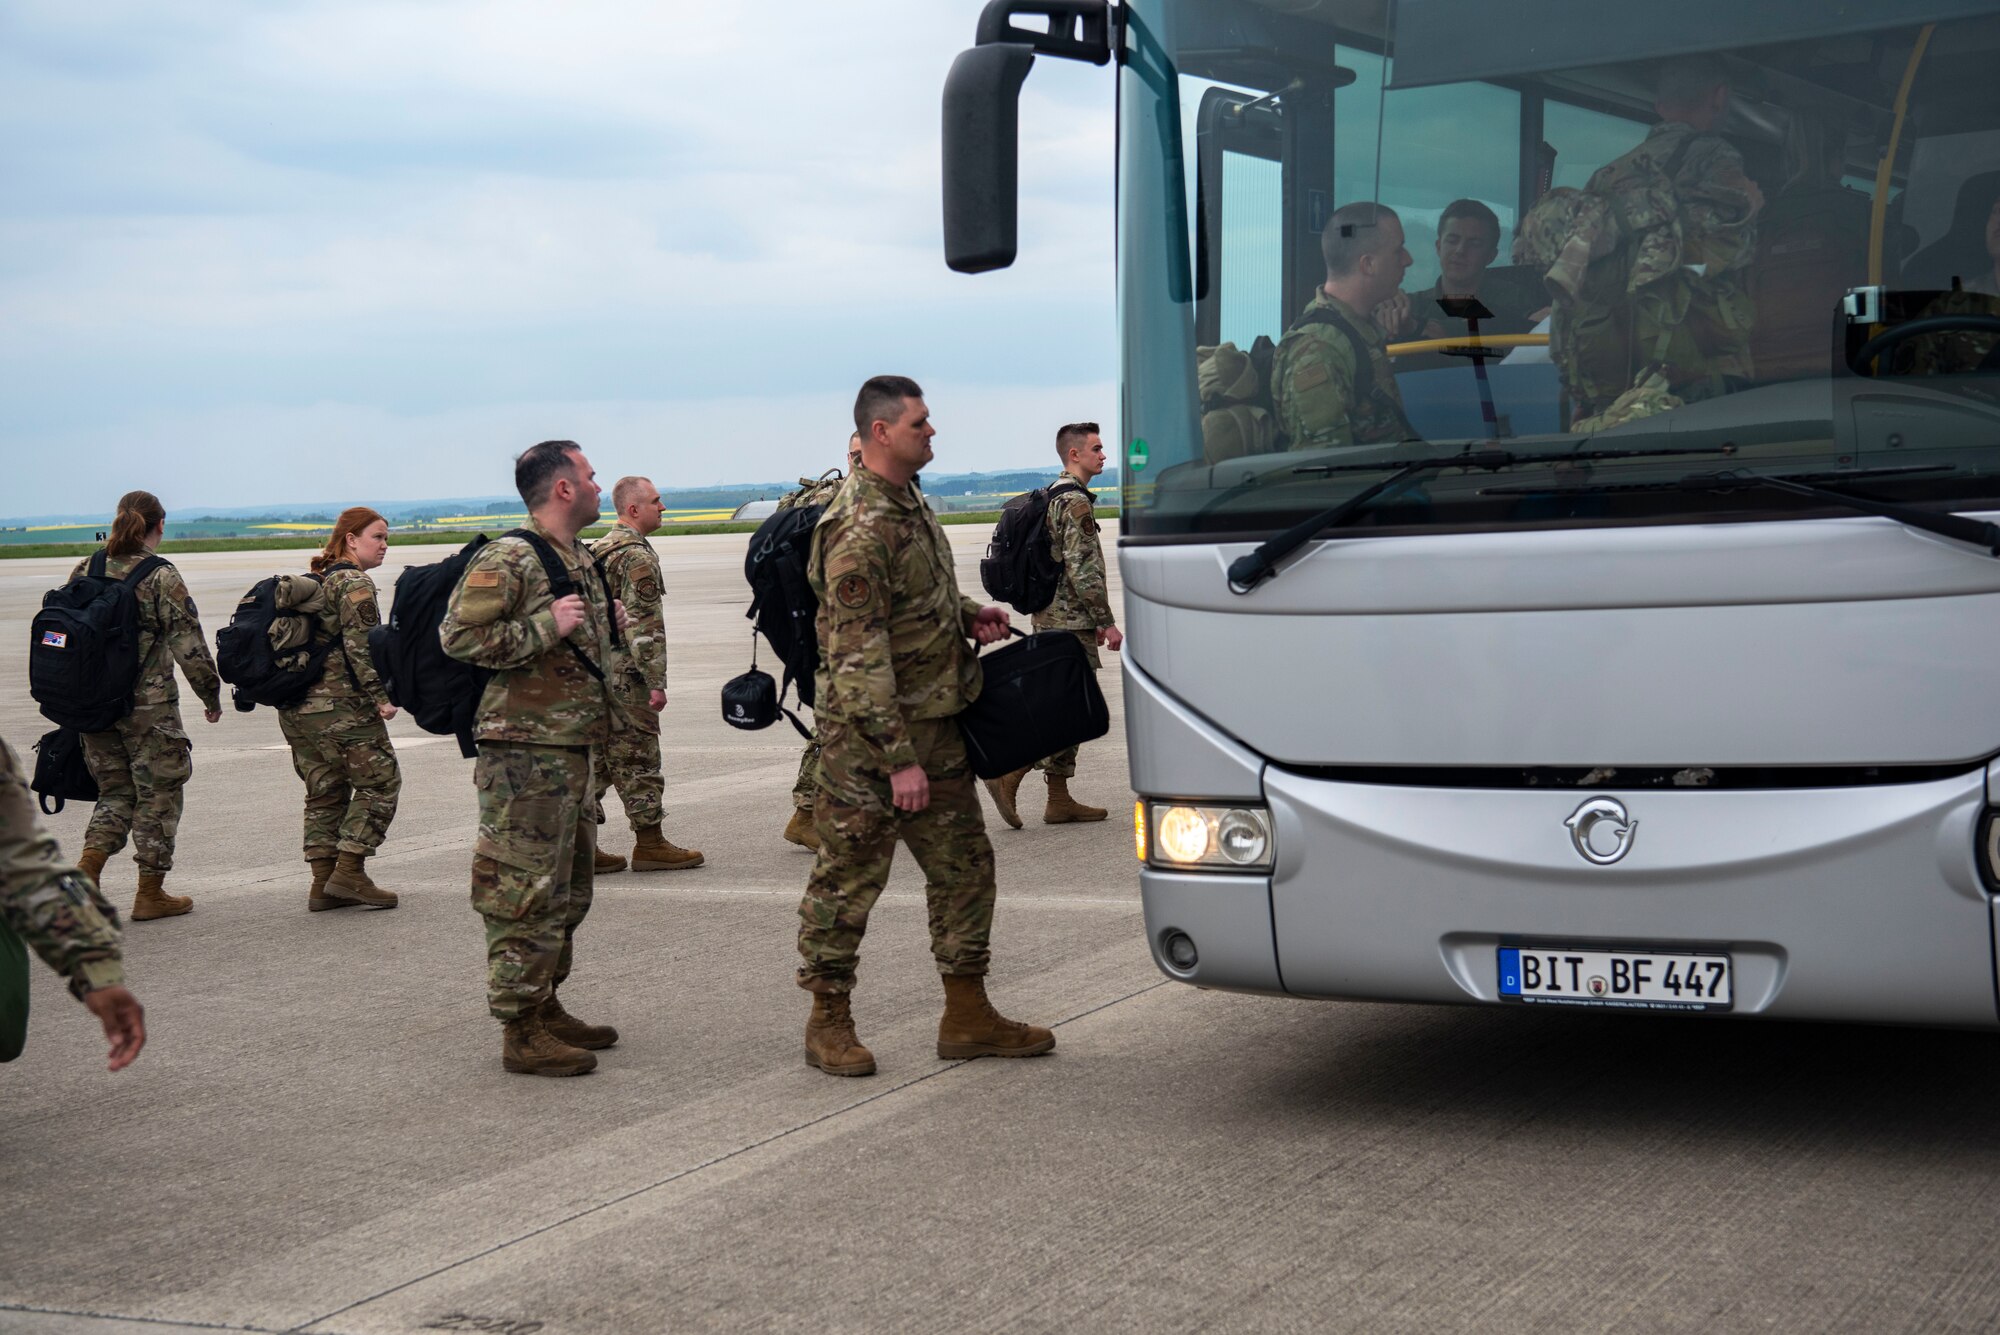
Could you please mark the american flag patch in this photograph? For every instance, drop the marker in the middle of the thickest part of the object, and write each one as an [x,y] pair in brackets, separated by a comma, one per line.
[55,639]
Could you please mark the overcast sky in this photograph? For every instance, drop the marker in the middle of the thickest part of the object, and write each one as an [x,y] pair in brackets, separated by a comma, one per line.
[319,250]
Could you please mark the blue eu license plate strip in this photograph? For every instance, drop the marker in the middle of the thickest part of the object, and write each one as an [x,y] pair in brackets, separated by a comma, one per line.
[1628,979]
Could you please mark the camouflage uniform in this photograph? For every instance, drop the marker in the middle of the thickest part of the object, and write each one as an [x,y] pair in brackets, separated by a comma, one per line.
[1645,267]
[538,720]
[340,745]
[812,491]
[1313,387]
[1082,602]
[631,755]
[142,762]
[47,902]
[895,666]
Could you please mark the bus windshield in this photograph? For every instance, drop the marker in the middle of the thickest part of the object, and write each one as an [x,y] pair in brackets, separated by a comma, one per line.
[1741,247]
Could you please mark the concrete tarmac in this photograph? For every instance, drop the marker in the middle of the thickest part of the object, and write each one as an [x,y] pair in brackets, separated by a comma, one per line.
[319,1137]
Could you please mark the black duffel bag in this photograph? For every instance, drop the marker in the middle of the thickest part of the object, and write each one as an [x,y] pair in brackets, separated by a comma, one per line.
[60,772]
[1040,697]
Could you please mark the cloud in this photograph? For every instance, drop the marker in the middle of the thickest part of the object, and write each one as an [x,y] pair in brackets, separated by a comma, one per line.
[427,209]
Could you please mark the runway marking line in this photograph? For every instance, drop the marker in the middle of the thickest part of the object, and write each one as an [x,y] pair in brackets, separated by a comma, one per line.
[690,1171]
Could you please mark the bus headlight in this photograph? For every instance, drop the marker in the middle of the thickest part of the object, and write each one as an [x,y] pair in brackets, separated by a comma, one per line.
[1185,836]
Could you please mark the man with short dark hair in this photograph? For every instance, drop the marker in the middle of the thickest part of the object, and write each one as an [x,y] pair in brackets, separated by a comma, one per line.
[544,710]
[895,666]
[1468,241]
[631,755]
[1082,606]
[1331,382]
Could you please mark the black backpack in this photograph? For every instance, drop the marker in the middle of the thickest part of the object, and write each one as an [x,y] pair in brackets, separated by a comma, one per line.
[83,659]
[61,773]
[1020,568]
[441,693]
[781,598]
[438,692]
[245,659]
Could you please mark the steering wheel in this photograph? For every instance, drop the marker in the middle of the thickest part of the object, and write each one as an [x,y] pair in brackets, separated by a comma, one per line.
[1889,339]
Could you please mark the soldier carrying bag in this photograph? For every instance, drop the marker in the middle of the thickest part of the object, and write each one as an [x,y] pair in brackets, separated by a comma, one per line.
[440,693]
[1040,696]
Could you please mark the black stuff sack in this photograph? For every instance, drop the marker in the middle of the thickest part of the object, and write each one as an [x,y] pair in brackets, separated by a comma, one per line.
[750,701]
[1040,697]
[60,772]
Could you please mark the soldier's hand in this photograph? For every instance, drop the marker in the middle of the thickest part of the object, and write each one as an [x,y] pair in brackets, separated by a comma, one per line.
[569,613]
[385,712]
[910,787]
[656,700]
[212,715]
[618,610]
[1394,315]
[1110,637]
[124,1021]
[990,627]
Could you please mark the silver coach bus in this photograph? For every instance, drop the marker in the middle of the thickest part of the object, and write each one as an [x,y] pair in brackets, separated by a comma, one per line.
[1692,704]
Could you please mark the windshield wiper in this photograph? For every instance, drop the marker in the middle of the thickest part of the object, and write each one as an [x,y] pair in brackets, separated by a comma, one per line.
[1247,572]
[1976,532]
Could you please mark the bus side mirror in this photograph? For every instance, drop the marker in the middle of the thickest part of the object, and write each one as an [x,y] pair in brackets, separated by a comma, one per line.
[982,145]
[982,119]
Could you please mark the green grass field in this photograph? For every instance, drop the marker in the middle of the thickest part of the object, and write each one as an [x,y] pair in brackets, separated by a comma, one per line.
[281,543]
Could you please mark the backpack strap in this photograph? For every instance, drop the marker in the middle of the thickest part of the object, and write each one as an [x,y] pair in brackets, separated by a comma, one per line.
[138,573]
[1364,365]
[562,586]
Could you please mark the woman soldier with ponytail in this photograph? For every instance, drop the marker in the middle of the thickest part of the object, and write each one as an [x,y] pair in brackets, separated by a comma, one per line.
[142,762]
[340,746]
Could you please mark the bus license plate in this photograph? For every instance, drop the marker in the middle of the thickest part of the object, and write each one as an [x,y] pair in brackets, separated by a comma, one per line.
[1632,979]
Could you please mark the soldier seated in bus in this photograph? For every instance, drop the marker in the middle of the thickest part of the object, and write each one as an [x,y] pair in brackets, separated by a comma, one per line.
[1468,241]
[1331,382]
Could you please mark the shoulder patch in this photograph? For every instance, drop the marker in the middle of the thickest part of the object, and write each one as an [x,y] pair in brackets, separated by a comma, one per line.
[841,564]
[482,579]
[359,596]
[1312,375]
[853,592]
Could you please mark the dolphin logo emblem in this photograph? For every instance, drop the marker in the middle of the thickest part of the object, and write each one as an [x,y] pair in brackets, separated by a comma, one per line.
[1607,811]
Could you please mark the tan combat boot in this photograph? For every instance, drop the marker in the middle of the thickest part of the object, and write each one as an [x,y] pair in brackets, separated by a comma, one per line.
[349,883]
[830,1041]
[652,852]
[526,1048]
[604,863]
[1064,809]
[91,864]
[316,898]
[800,829]
[154,902]
[566,1028]
[1003,790]
[972,1028]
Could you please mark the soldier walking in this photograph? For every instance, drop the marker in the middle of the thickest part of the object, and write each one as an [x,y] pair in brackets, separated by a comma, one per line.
[544,709]
[339,730]
[142,762]
[631,756]
[60,913]
[895,666]
[813,491]
[1082,605]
